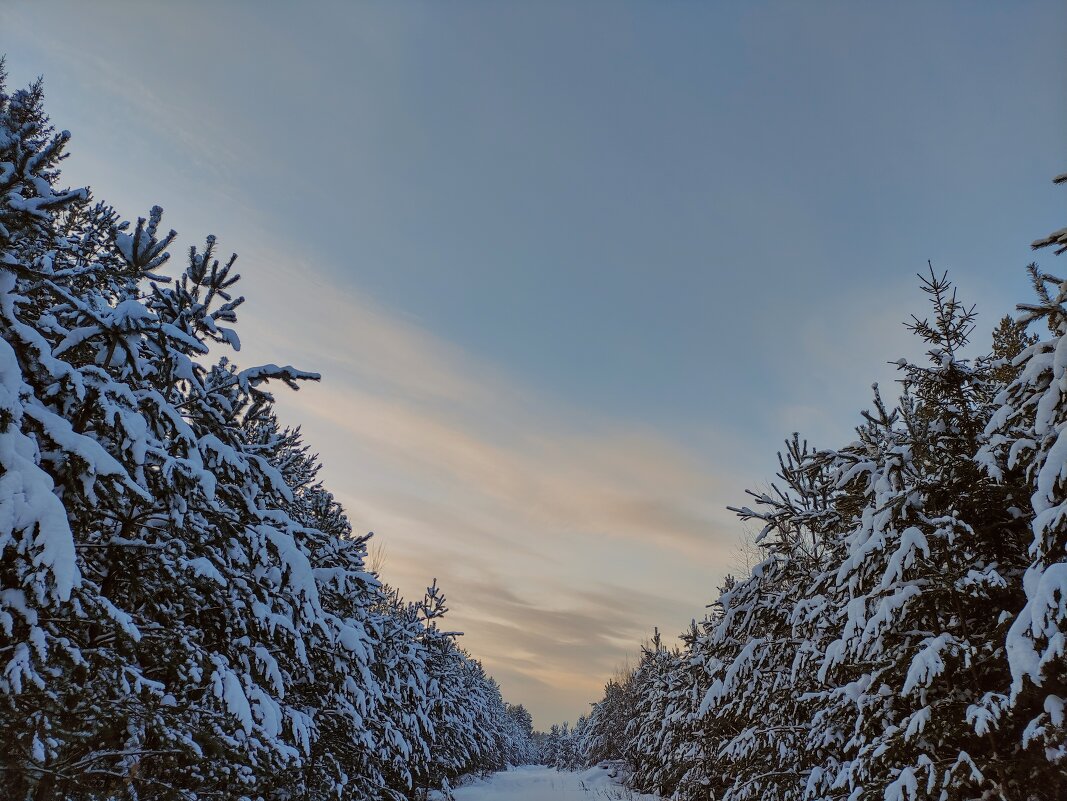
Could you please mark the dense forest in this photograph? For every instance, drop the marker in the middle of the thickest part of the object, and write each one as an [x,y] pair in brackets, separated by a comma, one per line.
[185,611]
[904,633]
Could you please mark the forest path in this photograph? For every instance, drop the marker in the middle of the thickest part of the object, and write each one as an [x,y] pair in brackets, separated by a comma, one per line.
[538,783]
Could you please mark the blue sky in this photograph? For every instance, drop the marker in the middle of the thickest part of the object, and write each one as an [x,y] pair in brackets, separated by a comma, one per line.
[572,271]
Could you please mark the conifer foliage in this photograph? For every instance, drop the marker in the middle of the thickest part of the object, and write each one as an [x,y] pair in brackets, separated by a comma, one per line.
[905,635]
[184,610]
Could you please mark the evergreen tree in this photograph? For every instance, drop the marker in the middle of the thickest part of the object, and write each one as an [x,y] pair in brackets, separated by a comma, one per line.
[1010,339]
[1026,435]
[929,579]
[184,611]
[606,739]
[869,655]
[761,652]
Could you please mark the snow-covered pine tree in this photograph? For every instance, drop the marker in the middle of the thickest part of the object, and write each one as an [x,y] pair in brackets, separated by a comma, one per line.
[155,506]
[823,674]
[1026,435]
[62,641]
[693,740]
[569,753]
[548,747]
[605,738]
[904,638]
[183,610]
[754,717]
[525,741]
[521,735]
[652,734]
[466,709]
[338,689]
[1010,338]
[929,580]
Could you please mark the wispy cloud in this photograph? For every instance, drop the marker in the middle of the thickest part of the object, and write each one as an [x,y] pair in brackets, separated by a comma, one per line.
[561,538]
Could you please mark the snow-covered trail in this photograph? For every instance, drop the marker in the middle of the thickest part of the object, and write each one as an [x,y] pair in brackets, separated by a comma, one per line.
[537,783]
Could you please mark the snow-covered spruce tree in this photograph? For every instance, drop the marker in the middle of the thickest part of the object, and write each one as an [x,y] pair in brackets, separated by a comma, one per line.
[1010,338]
[644,719]
[338,690]
[864,657]
[562,747]
[470,728]
[650,732]
[523,750]
[1026,435]
[759,651]
[399,730]
[156,665]
[548,745]
[569,753]
[681,758]
[183,610]
[45,607]
[457,705]
[929,581]
[605,738]
[441,716]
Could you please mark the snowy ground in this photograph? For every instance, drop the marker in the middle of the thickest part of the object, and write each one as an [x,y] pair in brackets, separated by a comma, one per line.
[536,783]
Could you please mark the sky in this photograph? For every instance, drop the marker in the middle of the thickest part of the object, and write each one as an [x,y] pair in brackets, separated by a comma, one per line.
[571,272]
